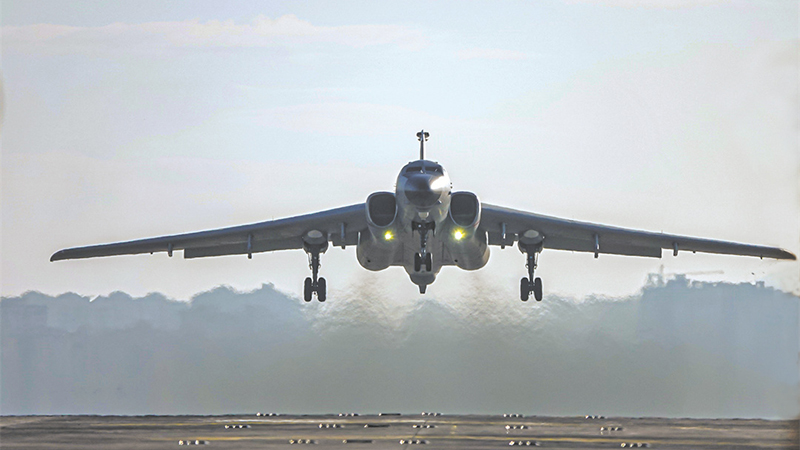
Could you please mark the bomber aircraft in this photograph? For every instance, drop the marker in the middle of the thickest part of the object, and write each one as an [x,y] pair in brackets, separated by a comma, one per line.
[422,226]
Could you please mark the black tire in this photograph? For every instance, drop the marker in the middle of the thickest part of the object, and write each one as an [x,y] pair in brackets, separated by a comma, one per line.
[417,262]
[322,289]
[524,289]
[308,289]
[537,289]
[429,262]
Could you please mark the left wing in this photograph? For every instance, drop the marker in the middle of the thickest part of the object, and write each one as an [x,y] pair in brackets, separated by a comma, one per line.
[341,225]
[564,234]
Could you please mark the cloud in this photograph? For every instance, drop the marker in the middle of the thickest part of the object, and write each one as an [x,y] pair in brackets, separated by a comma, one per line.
[360,118]
[490,53]
[346,118]
[262,31]
[652,4]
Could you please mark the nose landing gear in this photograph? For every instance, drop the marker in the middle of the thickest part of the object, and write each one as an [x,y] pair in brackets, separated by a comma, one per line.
[423,257]
[420,260]
[530,284]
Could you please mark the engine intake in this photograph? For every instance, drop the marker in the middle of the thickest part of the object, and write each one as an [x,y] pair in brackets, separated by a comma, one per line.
[381,209]
[377,247]
[465,241]
[465,209]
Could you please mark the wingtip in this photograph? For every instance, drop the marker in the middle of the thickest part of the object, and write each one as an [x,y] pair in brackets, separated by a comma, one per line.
[784,254]
[56,256]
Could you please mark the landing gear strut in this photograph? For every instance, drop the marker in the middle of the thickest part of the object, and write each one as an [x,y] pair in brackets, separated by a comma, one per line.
[423,257]
[530,284]
[419,260]
[312,283]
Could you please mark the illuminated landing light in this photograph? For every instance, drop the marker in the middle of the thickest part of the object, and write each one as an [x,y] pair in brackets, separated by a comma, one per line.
[388,236]
[459,234]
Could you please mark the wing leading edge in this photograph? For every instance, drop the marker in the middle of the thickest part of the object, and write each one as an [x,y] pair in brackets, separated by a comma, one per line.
[564,234]
[341,225]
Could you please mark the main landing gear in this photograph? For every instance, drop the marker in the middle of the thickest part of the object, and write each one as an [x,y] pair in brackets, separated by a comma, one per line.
[423,258]
[312,283]
[530,284]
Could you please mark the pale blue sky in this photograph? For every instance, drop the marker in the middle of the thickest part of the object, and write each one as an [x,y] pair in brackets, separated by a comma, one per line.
[138,119]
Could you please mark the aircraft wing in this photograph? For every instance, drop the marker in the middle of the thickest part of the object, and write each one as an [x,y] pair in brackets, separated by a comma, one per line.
[564,234]
[342,226]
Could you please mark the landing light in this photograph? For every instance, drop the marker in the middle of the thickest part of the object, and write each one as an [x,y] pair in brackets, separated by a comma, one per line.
[459,234]
[388,236]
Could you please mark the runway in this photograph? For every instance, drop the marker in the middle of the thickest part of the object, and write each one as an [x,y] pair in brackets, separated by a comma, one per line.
[427,430]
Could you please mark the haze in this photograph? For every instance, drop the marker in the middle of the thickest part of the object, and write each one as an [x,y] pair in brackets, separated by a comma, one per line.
[674,350]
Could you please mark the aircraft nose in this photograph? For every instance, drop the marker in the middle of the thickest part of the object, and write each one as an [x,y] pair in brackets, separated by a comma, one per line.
[422,191]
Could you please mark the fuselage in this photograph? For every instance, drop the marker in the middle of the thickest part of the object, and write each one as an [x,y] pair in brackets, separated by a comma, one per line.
[418,219]
[423,191]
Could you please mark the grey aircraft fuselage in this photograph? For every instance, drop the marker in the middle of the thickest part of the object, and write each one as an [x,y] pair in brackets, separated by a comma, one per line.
[423,199]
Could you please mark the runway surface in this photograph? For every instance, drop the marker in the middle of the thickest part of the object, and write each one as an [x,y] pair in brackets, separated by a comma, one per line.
[389,432]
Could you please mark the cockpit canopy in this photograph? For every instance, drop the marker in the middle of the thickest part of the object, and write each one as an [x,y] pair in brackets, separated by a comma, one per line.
[423,167]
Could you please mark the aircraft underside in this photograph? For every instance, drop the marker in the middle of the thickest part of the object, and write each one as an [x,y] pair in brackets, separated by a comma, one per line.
[422,267]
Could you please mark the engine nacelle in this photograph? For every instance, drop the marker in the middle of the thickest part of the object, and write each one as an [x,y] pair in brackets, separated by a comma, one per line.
[464,240]
[378,246]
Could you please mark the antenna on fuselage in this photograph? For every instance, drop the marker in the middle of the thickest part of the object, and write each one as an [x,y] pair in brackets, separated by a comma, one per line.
[422,136]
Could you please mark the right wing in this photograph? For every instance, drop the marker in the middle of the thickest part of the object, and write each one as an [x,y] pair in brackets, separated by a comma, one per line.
[565,234]
[341,225]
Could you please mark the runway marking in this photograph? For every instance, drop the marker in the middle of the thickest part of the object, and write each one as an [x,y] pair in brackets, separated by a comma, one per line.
[350,422]
[434,438]
[545,427]
[721,427]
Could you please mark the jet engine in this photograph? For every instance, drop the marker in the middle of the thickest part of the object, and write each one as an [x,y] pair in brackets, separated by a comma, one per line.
[378,245]
[462,237]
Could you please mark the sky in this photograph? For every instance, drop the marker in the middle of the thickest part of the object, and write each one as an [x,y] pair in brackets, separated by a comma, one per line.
[125,120]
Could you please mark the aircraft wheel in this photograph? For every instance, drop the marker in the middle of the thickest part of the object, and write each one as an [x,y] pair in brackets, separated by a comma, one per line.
[537,289]
[429,262]
[417,262]
[322,289]
[524,289]
[308,288]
